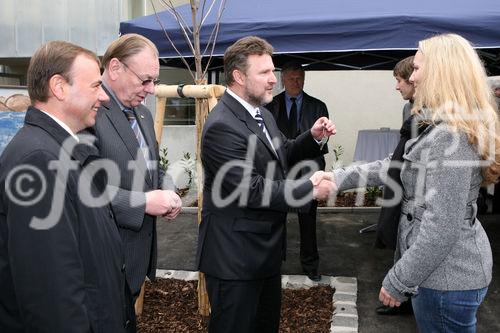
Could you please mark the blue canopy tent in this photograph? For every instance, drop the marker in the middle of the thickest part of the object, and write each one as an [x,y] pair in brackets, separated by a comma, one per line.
[335,34]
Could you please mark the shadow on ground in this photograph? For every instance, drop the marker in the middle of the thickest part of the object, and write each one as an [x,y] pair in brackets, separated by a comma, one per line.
[343,252]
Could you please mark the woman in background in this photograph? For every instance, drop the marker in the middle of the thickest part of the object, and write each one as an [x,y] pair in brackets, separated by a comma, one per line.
[443,258]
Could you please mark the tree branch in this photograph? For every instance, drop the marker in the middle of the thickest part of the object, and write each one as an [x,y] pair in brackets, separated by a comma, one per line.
[171,42]
[216,30]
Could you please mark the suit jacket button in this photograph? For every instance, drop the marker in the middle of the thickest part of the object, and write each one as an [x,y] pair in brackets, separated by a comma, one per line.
[409,217]
[123,268]
[127,324]
[111,214]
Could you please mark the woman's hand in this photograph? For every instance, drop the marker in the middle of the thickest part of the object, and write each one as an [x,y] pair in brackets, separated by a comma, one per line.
[387,299]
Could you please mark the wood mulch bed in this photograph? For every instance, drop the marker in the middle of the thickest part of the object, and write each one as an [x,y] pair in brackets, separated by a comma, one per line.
[171,306]
[348,199]
[343,199]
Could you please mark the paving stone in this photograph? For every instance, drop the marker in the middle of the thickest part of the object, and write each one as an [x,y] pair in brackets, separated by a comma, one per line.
[350,323]
[344,298]
[345,310]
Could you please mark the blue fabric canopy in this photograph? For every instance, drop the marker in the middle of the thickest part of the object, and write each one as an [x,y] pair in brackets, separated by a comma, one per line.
[326,26]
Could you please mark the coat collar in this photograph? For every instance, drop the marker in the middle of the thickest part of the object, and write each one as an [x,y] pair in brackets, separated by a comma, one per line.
[82,151]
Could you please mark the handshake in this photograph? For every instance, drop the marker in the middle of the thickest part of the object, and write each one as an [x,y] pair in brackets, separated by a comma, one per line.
[323,185]
[163,203]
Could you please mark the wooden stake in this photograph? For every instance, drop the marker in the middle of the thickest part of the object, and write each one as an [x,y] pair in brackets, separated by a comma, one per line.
[206,98]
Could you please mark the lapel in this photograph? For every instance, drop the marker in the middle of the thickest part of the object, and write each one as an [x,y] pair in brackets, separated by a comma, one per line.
[282,120]
[304,115]
[149,135]
[411,143]
[243,115]
[142,116]
[275,135]
[122,127]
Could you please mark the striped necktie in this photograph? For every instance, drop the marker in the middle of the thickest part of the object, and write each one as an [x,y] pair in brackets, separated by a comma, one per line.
[260,123]
[129,113]
[259,119]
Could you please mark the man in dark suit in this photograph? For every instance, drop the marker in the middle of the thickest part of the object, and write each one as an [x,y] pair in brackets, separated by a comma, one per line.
[246,195]
[125,135]
[295,112]
[61,257]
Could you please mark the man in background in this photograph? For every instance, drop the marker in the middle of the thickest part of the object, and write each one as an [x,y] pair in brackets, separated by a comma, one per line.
[387,227]
[125,135]
[295,112]
[60,258]
[402,72]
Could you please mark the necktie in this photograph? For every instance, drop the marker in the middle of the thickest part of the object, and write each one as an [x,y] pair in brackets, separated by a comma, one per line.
[138,134]
[260,123]
[292,118]
[259,119]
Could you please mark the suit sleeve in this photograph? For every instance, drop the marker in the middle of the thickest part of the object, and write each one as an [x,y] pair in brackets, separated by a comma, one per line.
[129,208]
[222,145]
[47,269]
[303,147]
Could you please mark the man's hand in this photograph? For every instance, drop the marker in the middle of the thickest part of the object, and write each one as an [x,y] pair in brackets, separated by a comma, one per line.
[174,212]
[163,203]
[387,299]
[323,127]
[323,185]
[318,176]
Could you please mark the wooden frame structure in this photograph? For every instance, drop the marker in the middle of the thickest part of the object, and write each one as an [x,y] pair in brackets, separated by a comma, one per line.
[206,98]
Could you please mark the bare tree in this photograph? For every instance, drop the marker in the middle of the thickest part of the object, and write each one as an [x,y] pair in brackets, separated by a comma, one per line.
[191,33]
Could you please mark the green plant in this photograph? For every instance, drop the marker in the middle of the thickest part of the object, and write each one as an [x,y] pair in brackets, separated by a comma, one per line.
[338,150]
[164,162]
[189,166]
[372,193]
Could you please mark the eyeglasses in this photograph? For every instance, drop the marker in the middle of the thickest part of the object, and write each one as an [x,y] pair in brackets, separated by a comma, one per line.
[143,82]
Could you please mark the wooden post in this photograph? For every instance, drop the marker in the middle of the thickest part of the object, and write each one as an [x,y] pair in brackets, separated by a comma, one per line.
[206,98]
[139,303]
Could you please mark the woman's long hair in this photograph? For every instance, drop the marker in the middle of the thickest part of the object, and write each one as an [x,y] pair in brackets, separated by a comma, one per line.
[455,90]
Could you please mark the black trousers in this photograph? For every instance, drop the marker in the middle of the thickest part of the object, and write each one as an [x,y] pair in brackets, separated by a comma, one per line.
[244,306]
[309,256]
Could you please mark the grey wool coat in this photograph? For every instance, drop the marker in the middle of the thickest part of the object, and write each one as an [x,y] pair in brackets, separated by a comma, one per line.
[441,244]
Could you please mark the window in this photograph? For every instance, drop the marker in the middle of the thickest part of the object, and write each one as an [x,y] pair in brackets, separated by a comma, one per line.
[180,111]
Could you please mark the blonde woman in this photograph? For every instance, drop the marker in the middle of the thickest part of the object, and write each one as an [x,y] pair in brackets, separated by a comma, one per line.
[443,257]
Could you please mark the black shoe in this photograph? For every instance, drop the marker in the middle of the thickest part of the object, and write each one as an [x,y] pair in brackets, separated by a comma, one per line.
[404,308]
[313,276]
